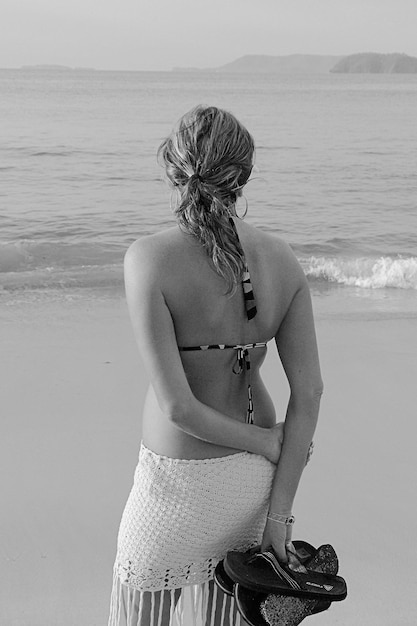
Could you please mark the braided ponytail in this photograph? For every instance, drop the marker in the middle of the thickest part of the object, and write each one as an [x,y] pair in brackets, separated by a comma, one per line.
[208,159]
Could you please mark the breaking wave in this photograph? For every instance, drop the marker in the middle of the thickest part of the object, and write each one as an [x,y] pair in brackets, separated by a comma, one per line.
[364,272]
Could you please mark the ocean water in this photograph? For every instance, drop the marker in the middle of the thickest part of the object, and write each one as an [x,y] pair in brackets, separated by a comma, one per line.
[336,175]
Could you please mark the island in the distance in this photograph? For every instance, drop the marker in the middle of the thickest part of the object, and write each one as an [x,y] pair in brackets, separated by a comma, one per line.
[375,63]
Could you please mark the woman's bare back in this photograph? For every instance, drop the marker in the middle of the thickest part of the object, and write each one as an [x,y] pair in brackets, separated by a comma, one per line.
[203,314]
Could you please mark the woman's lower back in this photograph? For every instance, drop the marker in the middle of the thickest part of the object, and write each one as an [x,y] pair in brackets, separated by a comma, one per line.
[228,396]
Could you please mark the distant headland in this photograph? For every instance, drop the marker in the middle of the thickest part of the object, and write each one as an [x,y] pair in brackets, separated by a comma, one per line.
[366,62]
[375,63]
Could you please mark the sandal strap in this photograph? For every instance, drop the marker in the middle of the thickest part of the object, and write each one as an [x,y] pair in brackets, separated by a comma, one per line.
[282,573]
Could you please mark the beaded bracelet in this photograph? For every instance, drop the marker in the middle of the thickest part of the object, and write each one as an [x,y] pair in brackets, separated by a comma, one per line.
[288,520]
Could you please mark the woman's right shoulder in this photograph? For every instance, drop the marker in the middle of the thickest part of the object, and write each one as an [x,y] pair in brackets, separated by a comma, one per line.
[145,257]
[151,247]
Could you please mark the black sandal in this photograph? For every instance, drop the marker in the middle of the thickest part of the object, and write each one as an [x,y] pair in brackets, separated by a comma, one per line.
[304,552]
[262,572]
[261,609]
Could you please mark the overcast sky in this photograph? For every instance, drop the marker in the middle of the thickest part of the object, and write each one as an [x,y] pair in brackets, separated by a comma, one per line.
[161,34]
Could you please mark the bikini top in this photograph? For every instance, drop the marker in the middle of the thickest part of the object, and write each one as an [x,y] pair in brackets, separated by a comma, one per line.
[242,363]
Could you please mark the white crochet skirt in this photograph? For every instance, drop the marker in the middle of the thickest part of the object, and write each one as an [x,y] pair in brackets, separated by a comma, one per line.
[180,520]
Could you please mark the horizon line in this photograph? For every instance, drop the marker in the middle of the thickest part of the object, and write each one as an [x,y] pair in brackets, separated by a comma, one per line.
[62,66]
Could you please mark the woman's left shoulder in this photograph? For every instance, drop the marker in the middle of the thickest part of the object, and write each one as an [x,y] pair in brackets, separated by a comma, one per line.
[277,255]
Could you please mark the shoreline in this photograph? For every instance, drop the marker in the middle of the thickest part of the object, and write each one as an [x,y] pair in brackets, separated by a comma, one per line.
[73,389]
[330,300]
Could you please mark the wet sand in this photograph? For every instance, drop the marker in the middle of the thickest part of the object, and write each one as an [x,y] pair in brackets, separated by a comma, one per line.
[72,389]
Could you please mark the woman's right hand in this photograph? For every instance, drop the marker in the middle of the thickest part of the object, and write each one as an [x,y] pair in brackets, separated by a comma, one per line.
[276,536]
[275,439]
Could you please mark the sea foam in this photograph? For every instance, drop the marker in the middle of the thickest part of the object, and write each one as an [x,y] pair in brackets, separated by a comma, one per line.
[364,272]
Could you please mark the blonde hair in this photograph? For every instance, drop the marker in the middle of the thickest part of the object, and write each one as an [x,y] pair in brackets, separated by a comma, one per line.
[208,158]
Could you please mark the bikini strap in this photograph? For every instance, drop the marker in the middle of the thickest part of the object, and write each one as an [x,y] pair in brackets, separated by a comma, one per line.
[248,295]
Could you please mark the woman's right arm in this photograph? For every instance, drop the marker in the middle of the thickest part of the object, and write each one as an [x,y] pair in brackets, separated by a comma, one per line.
[155,335]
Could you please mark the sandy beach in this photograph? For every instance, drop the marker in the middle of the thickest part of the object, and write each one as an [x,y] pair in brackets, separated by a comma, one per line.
[72,389]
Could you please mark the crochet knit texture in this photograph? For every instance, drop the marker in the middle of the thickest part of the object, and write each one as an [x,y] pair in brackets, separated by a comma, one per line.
[183,516]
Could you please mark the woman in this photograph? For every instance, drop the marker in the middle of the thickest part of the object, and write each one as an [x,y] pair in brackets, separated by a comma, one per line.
[204,299]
